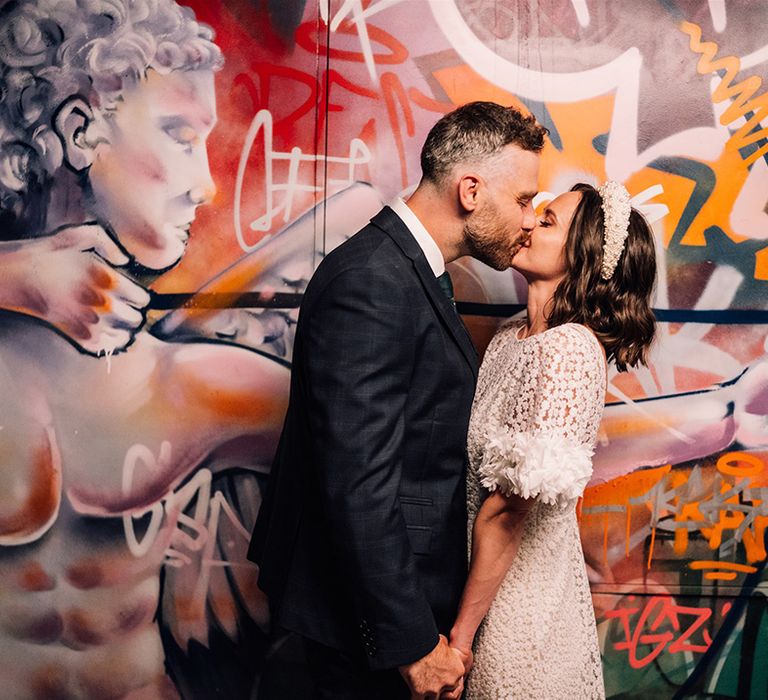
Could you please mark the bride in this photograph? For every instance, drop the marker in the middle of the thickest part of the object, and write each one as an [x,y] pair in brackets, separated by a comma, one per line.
[526,609]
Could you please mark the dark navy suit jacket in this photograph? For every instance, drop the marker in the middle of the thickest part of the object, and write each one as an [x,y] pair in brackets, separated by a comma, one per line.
[361,537]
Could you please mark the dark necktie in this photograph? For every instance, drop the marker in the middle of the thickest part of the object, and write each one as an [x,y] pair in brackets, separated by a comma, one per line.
[446,285]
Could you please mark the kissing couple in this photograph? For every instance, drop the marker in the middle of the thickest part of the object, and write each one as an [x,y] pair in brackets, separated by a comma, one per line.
[419,526]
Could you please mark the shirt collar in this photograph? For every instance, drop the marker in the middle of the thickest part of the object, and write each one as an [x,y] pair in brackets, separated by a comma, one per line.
[426,242]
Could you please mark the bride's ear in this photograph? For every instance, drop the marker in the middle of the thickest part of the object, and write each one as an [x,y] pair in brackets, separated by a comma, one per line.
[468,188]
[74,125]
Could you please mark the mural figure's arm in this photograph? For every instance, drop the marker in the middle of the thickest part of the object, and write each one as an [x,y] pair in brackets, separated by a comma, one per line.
[679,428]
[235,403]
[68,279]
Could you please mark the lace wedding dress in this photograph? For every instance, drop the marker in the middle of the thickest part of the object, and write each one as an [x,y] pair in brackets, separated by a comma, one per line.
[533,428]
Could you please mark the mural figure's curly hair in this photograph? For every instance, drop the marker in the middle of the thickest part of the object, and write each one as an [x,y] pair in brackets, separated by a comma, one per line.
[51,50]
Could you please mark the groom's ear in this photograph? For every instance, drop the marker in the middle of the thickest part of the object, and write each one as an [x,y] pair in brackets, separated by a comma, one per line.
[469,185]
[72,122]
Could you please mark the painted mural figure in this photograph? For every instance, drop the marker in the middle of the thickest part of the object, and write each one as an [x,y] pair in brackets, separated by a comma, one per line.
[590,267]
[361,536]
[103,124]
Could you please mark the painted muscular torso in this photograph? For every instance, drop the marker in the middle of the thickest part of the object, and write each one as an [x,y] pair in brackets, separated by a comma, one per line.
[92,453]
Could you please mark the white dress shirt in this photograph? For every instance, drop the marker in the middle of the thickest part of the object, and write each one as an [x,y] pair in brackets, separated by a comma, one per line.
[425,241]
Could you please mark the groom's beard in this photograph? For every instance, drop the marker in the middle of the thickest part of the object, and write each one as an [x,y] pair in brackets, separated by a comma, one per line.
[488,239]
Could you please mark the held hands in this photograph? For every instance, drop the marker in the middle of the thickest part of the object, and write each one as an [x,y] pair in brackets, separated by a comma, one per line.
[463,648]
[466,656]
[439,674]
[68,279]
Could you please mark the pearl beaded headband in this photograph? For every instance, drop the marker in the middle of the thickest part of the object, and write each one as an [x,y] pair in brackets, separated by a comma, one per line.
[616,211]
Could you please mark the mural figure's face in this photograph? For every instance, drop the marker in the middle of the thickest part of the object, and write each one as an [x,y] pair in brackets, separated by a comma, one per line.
[542,257]
[504,217]
[152,172]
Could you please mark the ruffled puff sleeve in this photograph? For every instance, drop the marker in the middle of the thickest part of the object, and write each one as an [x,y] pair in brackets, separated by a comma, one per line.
[546,466]
[549,456]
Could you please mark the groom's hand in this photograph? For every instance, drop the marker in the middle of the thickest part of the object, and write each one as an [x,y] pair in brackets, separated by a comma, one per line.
[438,674]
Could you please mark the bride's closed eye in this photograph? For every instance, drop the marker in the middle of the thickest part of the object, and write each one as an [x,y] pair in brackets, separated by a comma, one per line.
[544,223]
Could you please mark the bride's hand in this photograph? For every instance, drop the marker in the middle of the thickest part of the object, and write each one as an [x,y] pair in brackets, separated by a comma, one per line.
[465,656]
[463,648]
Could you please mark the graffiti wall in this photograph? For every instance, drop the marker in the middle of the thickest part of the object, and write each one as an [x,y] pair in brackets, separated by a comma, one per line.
[171,174]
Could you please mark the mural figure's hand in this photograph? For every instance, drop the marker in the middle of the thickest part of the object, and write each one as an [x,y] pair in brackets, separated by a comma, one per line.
[751,406]
[69,280]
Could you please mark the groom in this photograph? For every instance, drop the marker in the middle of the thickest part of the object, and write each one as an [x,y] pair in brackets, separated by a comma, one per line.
[361,538]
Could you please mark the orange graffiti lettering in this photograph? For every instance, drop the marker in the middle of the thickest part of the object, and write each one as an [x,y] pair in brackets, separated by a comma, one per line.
[730,463]
[754,110]
[728,571]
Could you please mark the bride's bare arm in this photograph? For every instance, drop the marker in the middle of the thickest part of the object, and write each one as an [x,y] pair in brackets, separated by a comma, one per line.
[495,540]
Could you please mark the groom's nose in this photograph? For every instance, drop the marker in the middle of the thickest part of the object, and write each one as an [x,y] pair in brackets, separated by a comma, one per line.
[529,218]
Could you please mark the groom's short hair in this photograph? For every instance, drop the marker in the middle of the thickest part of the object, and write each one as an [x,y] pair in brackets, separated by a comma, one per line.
[475,132]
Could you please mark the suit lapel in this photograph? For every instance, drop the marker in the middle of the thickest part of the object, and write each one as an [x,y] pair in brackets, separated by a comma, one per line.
[446,310]
[393,226]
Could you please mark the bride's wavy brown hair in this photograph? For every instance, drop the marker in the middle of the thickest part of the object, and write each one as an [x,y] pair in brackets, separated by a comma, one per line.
[618,310]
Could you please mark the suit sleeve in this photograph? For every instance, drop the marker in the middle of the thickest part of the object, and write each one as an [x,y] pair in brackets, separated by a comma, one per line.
[359,359]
